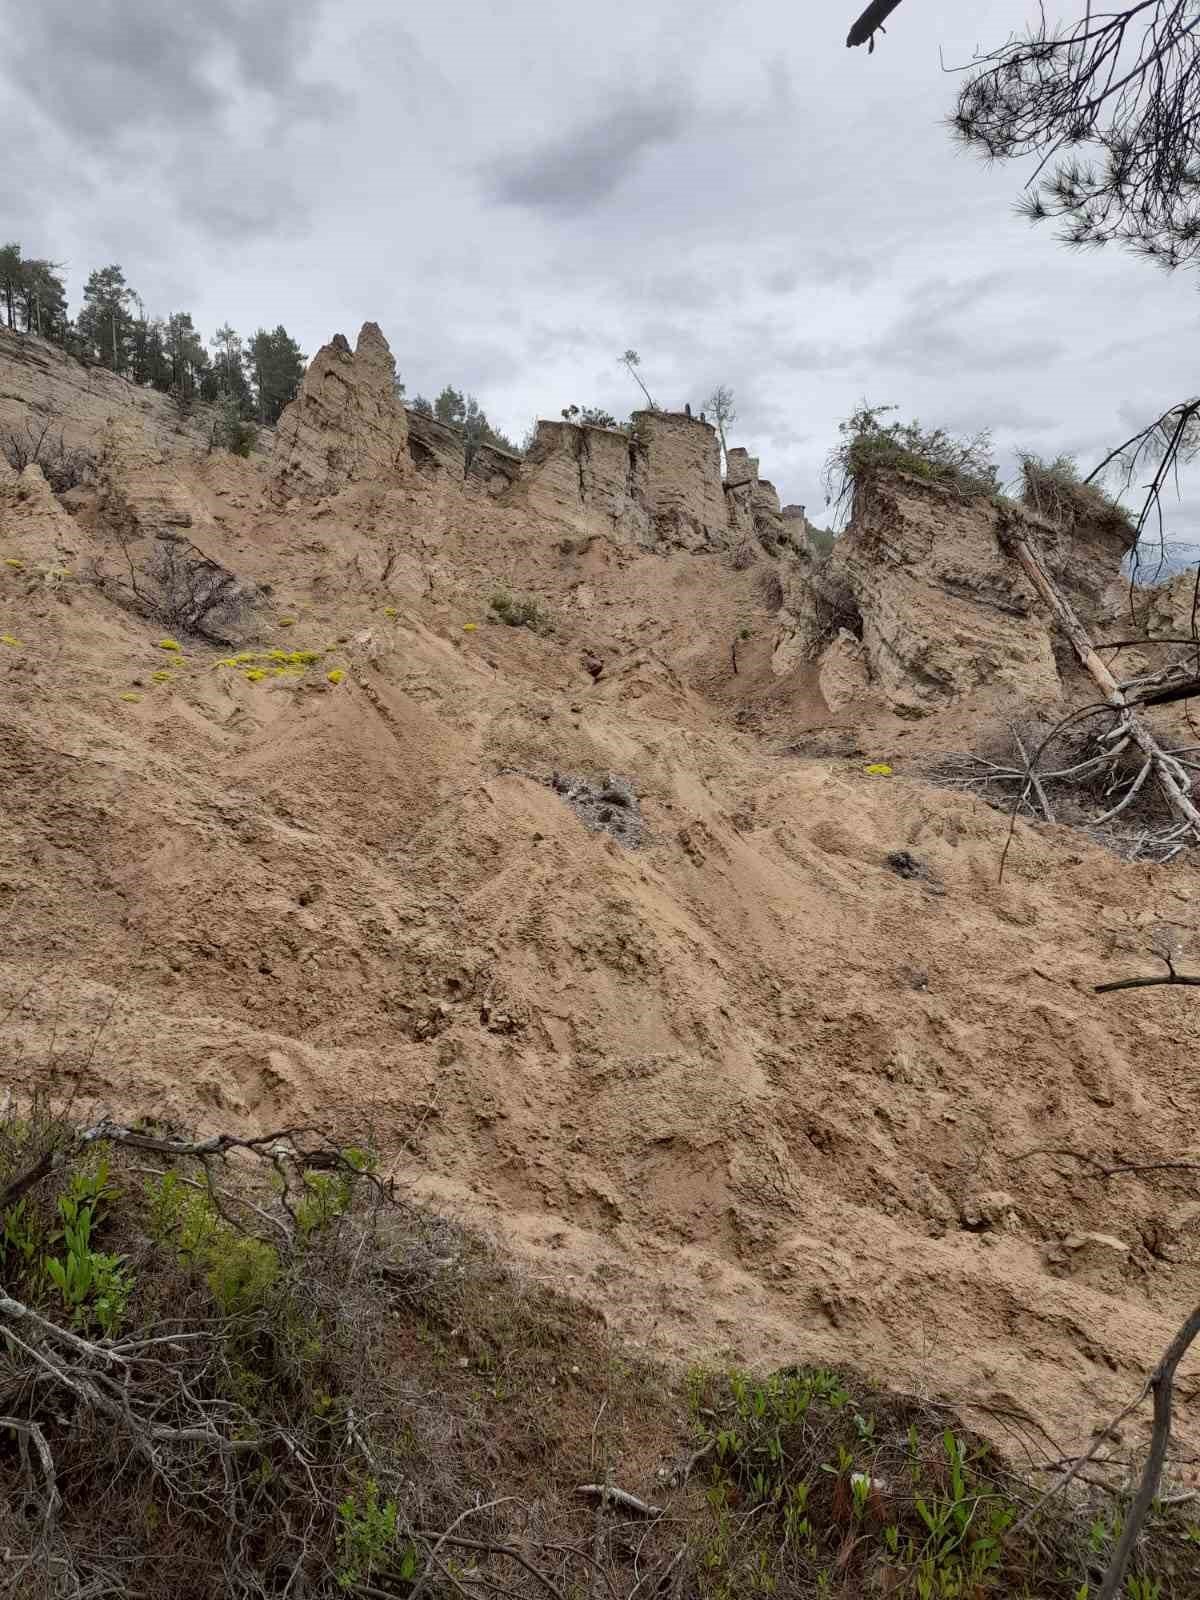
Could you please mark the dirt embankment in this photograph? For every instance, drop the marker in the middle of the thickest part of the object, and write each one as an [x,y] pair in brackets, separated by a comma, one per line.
[745,1087]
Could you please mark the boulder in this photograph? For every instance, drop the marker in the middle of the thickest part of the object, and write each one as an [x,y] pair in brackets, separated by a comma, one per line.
[1100,1259]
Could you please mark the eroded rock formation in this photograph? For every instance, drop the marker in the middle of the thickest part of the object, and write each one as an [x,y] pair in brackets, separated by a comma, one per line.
[141,490]
[684,492]
[40,383]
[593,479]
[346,424]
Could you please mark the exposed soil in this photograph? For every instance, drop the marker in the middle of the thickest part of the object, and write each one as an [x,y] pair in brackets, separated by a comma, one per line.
[746,1089]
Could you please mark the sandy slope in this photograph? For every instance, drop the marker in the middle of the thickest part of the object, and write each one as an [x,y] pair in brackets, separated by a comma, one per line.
[740,1088]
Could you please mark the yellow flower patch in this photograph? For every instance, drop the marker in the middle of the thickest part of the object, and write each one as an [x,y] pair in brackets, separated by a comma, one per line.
[169,644]
[879,769]
[7,638]
[336,675]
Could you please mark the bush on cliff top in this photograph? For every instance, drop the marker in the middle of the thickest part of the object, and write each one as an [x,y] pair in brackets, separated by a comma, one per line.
[867,443]
[1055,490]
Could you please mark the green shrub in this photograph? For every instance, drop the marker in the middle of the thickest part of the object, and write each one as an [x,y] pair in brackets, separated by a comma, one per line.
[1055,490]
[231,431]
[815,1480]
[94,1285]
[367,1540]
[521,612]
[868,444]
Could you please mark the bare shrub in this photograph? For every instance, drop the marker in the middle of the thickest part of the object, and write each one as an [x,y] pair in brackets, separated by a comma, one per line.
[180,587]
[62,467]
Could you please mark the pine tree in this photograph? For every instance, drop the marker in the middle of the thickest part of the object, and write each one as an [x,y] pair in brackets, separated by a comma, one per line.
[12,280]
[43,300]
[229,372]
[105,324]
[464,411]
[186,355]
[275,364]
[149,362]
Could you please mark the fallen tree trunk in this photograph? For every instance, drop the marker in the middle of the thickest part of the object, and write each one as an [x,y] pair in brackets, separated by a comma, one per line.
[1172,777]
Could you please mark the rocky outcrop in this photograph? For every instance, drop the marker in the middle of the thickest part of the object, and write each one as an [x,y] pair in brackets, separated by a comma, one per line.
[752,504]
[436,447]
[684,492]
[939,607]
[592,479]
[741,474]
[795,531]
[345,425]
[33,525]
[141,490]
[492,470]
[40,383]
[767,514]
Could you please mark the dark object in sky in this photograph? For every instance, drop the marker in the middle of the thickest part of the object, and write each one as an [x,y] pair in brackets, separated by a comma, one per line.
[872,19]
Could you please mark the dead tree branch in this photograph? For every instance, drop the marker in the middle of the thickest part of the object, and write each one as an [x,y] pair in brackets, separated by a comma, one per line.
[869,23]
[1160,1383]
[1128,727]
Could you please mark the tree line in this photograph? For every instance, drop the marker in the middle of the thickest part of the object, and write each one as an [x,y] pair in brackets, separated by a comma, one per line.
[463,411]
[256,376]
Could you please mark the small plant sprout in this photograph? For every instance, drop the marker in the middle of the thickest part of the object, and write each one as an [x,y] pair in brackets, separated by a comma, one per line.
[131,697]
[17,566]
[287,622]
[336,675]
[169,644]
[10,641]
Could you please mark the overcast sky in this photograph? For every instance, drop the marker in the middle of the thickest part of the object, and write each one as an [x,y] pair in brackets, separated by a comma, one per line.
[518,192]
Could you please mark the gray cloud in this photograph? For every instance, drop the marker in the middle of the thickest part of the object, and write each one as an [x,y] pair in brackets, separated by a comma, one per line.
[585,164]
[518,193]
[110,68]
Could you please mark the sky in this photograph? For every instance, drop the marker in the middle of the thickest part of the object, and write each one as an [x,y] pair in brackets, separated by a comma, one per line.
[519,193]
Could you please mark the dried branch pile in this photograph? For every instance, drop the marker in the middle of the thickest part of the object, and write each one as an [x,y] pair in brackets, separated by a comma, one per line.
[1105,768]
